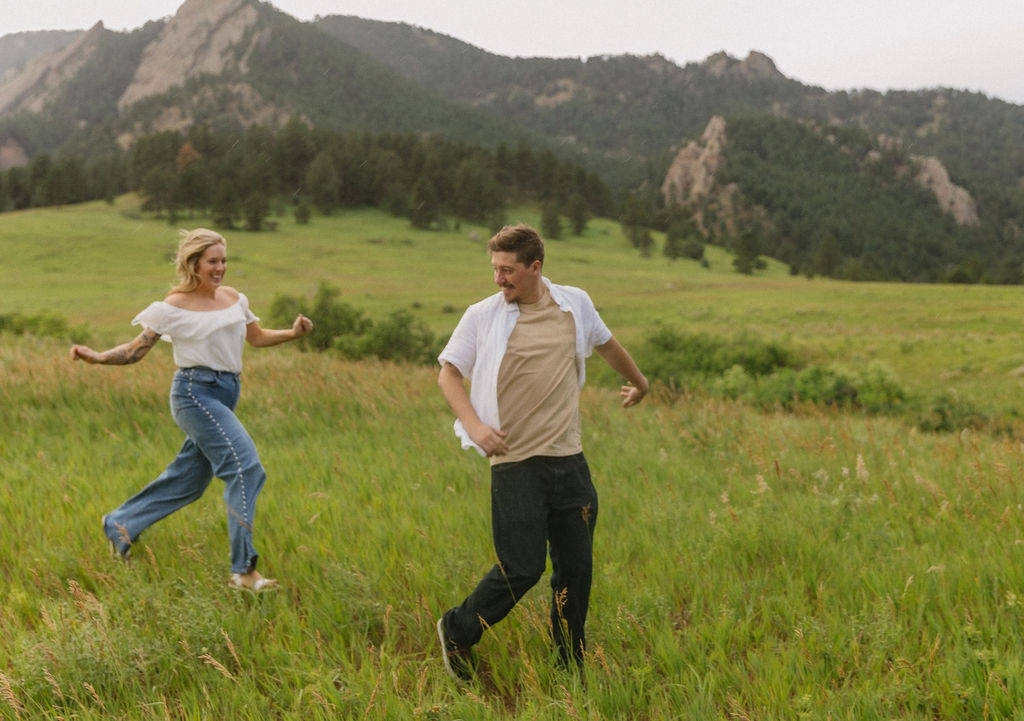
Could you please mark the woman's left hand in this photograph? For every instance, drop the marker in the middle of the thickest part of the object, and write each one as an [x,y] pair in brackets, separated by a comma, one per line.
[301,326]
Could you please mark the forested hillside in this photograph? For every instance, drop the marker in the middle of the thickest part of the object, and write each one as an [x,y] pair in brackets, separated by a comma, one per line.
[626,113]
[835,206]
[644,105]
[830,182]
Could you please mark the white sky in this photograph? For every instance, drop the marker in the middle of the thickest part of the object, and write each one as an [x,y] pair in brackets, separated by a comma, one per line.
[835,44]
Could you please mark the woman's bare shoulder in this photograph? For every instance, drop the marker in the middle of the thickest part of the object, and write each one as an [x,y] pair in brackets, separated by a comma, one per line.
[177,299]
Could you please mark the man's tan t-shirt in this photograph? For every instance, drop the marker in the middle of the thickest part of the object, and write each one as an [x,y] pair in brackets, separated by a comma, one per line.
[538,384]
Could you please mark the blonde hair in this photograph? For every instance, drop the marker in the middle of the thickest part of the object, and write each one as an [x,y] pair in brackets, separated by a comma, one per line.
[191,248]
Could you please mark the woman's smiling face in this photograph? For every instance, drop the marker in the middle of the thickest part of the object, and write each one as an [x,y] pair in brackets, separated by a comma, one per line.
[211,267]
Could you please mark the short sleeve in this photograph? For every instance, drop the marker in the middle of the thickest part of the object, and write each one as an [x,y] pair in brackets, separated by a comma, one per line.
[595,332]
[153,317]
[460,350]
[250,317]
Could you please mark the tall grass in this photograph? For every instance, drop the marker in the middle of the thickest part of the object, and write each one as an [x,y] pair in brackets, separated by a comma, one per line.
[749,565]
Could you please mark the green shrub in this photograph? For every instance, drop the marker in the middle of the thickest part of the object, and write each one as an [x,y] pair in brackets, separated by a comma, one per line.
[777,390]
[878,391]
[763,373]
[400,337]
[675,358]
[821,385]
[948,413]
[341,327]
[48,325]
[331,318]
[693,249]
[736,384]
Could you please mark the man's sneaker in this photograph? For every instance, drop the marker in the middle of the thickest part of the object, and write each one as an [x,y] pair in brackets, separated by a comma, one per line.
[458,660]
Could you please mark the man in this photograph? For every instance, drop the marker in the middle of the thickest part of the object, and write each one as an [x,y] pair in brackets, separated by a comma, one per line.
[524,350]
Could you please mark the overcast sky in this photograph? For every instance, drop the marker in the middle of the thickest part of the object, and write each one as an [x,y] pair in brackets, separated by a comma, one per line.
[835,44]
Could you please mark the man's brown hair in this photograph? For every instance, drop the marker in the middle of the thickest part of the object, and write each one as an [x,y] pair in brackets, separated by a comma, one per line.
[520,239]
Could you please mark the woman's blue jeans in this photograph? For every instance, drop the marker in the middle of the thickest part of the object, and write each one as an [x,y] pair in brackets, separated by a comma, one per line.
[538,506]
[202,404]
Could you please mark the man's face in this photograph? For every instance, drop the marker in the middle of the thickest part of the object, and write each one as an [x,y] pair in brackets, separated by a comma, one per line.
[519,283]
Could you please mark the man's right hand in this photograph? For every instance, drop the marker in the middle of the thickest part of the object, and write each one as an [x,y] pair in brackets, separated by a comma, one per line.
[491,440]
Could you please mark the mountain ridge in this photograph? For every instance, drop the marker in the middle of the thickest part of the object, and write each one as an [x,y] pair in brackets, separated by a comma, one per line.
[237,63]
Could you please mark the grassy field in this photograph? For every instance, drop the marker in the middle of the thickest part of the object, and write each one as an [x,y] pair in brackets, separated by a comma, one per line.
[98,265]
[811,565]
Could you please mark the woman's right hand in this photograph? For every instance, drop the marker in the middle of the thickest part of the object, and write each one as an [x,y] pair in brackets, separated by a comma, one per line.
[85,353]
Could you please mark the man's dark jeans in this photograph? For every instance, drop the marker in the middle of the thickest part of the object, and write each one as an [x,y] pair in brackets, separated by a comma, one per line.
[539,504]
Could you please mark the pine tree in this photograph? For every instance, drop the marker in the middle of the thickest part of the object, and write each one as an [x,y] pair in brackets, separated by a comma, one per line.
[550,221]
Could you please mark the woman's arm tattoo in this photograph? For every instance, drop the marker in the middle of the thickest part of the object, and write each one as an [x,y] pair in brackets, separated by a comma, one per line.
[133,351]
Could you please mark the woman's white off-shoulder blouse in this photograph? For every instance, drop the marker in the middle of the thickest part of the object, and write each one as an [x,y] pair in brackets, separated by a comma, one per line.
[210,338]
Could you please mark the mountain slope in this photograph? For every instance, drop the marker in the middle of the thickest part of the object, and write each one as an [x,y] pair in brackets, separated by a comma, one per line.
[18,48]
[628,106]
[951,161]
[230,63]
[614,104]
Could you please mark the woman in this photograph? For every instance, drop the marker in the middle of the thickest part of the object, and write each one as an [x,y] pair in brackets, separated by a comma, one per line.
[207,322]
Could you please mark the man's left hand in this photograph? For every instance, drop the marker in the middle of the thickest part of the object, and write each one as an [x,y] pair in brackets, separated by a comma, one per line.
[631,395]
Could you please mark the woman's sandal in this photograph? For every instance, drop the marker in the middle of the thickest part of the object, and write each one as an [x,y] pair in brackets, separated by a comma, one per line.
[239,582]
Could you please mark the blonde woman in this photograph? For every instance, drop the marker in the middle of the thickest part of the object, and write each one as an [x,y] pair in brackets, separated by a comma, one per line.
[207,323]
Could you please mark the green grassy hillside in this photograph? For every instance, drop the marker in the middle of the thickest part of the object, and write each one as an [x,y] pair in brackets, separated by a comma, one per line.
[95,265]
[750,565]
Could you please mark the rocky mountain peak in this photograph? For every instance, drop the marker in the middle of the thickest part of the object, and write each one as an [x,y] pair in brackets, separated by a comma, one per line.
[197,40]
[31,86]
[757,66]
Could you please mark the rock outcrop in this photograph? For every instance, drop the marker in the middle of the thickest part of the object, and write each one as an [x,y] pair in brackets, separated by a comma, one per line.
[691,183]
[200,39]
[210,38]
[931,174]
[756,66]
[30,87]
[692,173]
[952,198]
[691,176]
[558,92]
[12,155]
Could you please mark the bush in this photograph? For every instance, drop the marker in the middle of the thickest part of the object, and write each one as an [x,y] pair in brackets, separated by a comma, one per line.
[878,390]
[674,358]
[399,337]
[762,372]
[256,209]
[331,318]
[43,324]
[874,389]
[947,413]
[341,327]
[821,385]
[736,384]
[692,249]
